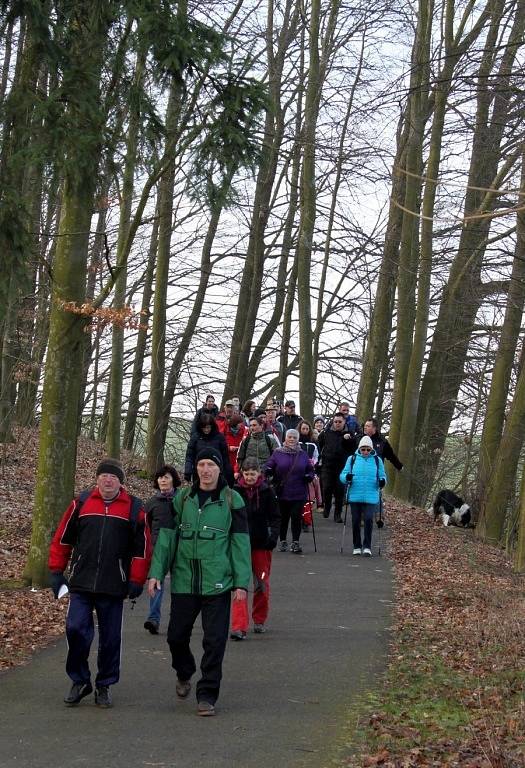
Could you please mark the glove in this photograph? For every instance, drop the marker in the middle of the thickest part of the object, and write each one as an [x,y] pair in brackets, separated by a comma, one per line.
[380,522]
[271,543]
[134,590]
[349,478]
[382,482]
[57,581]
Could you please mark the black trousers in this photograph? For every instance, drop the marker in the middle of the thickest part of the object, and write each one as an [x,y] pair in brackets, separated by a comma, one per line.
[215,617]
[80,631]
[332,486]
[291,510]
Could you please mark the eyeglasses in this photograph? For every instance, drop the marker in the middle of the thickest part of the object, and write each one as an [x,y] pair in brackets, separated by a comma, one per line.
[365,450]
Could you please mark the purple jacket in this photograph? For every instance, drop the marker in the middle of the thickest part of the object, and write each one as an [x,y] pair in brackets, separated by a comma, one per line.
[291,474]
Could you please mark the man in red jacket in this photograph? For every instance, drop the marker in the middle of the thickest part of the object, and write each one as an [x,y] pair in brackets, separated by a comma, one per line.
[104,534]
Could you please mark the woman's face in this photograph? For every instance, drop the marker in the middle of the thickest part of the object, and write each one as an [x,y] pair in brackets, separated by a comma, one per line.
[290,440]
[206,429]
[165,482]
[250,476]
[255,427]
[304,429]
[318,425]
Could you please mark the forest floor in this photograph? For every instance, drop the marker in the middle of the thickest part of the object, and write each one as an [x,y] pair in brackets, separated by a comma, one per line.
[453,693]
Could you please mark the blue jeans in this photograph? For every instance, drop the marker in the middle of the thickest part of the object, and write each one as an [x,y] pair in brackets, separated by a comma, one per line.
[154,605]
[368,510]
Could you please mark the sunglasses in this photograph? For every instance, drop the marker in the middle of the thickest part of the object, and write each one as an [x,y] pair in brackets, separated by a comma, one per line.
[367,450]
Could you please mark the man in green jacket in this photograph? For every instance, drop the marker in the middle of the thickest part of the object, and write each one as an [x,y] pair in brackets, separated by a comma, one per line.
[209,556]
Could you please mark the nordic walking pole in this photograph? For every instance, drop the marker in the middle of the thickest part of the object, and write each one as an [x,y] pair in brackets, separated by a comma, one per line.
[313,531]
[379,522]
[347,485]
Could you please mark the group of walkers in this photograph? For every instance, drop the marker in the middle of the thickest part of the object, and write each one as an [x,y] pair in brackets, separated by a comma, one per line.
[250,475]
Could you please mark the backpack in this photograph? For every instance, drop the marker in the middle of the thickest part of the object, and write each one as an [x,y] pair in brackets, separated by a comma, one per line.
[268,442]
[352,462]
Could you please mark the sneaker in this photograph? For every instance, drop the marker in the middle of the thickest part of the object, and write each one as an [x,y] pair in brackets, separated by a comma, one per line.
[296,548]
[238,634]
[357,551]
[205,709]
[152,626]
[182,688]
[77,693]
[259,629]
[367,552]
[283,546]
[103,697]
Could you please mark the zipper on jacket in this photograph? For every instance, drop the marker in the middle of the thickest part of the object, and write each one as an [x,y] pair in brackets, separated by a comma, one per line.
[122,573]
[212,528]
[100,546]
[72,571]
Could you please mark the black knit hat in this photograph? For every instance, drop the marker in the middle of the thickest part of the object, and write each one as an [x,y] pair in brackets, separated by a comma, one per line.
[111,467]
[211,454]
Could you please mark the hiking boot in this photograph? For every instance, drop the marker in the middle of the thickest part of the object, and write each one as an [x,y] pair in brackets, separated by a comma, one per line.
[77,693]
[182,688]
[152,626]
[103,697]
[205,709]
[357,551]
[367,552]
[283,546]
[259,629]
[238,634]
[296,548]
[338,518]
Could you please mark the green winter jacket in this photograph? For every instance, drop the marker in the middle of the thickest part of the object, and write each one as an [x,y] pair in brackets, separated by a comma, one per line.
[208,552]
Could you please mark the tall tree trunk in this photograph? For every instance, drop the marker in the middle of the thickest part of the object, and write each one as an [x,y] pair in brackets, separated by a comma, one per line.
[88,30]
[462,294]
[499,387]
[380,329]
[158,329]
[251,281]
[119,300]
[142,338]
[454,48]
[409,246]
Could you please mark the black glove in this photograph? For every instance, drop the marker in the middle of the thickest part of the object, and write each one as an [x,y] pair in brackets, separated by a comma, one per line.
[349,478]
[57,581]
[380,522]
[382,482]
[134,590]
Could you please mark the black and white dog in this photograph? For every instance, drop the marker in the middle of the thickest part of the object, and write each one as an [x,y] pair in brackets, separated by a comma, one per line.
[451,508]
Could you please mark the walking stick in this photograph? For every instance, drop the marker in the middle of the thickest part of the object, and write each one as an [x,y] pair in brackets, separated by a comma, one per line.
[313,531]
[346,515]
[379,522]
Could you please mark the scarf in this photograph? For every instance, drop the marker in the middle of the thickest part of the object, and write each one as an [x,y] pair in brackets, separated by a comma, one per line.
[251,490]
[287,449]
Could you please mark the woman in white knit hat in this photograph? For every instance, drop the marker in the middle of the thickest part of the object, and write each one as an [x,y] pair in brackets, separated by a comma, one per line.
[364,475]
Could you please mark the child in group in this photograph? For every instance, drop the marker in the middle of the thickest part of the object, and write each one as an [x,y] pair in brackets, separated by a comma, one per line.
[263,523]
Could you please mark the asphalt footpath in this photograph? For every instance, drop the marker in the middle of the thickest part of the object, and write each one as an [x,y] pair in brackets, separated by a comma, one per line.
[285,695]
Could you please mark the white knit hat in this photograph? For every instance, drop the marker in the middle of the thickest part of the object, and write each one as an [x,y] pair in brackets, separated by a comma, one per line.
[366,442]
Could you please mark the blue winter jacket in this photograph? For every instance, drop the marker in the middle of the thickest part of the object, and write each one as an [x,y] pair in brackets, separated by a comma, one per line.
[364,487]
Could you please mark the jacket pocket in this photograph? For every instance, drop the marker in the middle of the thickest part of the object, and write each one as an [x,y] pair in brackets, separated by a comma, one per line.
[206,543]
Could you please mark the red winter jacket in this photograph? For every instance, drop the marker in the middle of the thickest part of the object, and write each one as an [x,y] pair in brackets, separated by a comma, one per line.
[233,442]
[106,551]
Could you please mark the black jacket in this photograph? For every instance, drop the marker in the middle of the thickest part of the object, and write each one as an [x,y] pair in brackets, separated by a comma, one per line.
[199,441]
[383,449]
[159,514]
[334,449]
[264,518]
[290,422]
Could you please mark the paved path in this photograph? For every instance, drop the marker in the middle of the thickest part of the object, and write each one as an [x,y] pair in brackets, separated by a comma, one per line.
[283,697]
